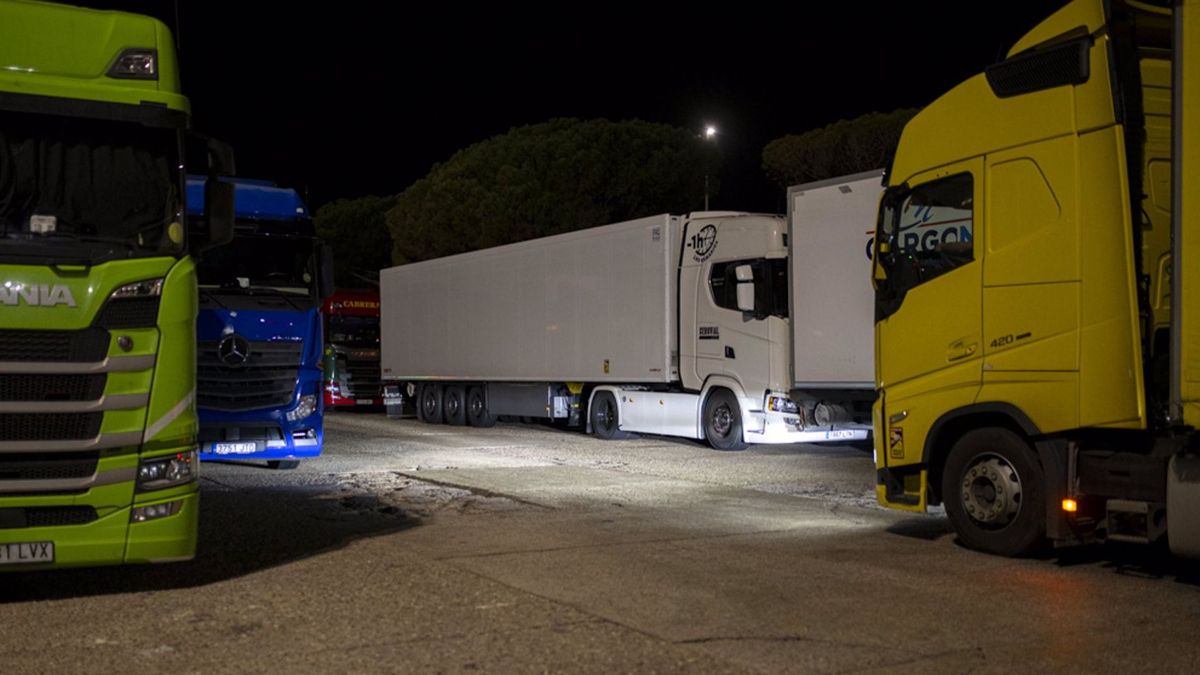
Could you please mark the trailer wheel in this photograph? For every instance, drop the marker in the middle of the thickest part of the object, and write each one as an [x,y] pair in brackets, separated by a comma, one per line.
[429,405]
[992,489]
[454,405]
[477,412]
[606,417]
[723,421]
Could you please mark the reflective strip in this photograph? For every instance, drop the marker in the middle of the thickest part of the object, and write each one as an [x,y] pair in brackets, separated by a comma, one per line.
[69,484]
[112,364]
[98,443]
[114,402]
[172,414]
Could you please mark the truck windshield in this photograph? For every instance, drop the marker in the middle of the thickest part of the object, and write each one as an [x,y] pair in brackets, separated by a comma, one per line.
[354,331]
[87,190]
[253,262]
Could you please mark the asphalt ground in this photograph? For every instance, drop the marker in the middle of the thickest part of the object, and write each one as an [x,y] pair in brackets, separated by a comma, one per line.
[522,548]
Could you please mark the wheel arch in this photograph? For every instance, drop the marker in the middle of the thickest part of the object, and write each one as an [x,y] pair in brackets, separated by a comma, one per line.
[952,425]
[722,382]
[613,389]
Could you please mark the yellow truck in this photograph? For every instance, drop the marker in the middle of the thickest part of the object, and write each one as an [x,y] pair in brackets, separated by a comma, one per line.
[1037,327]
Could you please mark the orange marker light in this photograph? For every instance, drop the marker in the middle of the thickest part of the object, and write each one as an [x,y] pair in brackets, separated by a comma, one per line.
[1070,505]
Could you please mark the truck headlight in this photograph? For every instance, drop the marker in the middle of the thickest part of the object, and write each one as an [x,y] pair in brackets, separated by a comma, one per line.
[308,403]
[157,473]
[150,288]
[782,404]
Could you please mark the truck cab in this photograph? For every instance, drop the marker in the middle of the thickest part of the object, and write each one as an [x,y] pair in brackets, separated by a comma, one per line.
[352,375]
[259,334]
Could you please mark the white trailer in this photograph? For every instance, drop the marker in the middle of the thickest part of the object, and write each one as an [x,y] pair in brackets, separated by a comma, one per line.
[831,225]
[674,325]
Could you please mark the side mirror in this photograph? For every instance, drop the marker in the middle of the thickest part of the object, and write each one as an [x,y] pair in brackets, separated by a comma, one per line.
[745,288]
[218,212]
[220,158]
[326,277]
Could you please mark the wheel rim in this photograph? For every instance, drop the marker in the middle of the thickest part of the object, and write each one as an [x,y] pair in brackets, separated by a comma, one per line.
[605,415]
[430,403]
[452,405]
[722,420]
[476,406]
[991,492]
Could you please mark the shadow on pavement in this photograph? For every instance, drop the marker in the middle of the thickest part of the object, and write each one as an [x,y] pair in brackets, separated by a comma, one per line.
[929,528]
[241,531]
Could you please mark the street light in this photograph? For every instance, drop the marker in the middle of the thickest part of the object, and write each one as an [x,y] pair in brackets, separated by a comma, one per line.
[710,134]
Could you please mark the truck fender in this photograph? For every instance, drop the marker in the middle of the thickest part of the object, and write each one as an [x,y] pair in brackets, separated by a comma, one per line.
[723,382]
[616,392]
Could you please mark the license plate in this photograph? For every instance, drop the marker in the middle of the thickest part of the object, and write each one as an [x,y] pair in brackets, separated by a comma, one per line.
[362,402]
[834,435]
[26,553]
[235,448]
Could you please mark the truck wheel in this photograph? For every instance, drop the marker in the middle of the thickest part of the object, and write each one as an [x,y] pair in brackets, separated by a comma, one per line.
[283,464]
[723,421]
[430,403]
[477,412]
[992,489]
[606,417]
[454,405]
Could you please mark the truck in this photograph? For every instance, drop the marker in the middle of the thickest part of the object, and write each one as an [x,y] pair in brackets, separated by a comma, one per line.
[1037,369]
[98,450]
[693,326]
[258,335]
[352,376]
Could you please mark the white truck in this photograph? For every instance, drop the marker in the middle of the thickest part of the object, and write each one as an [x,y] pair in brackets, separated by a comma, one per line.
[672,325]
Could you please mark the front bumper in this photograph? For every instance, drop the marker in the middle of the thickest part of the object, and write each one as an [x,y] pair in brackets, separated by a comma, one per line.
[775,428]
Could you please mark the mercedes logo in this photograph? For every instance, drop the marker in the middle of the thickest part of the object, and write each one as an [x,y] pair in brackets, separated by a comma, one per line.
[234,350]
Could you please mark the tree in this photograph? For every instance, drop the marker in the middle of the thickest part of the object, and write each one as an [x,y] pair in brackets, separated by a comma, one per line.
[357,230]
[844,147]
[543,179]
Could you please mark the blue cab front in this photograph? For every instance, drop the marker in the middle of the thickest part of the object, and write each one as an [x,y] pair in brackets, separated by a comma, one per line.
[258,379]
[259,339]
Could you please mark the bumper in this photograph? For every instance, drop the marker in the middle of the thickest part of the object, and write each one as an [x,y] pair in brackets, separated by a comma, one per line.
[776,428]
[113,539]
[259,436]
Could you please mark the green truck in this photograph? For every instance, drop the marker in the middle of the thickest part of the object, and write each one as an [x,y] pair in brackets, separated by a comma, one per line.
[98,299]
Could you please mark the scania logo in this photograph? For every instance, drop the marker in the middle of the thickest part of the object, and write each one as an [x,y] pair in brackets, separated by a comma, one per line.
[44,295]
[234,350]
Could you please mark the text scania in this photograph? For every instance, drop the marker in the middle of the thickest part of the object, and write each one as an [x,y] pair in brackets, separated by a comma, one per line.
[43,295]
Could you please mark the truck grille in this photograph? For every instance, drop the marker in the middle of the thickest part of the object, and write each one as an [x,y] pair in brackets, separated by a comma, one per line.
[41,388]
[266,380]
[363,380]
[46,516]
[48,466]
[80,346]
[49,427]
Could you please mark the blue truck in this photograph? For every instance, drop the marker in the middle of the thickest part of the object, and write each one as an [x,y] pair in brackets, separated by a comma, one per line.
[259,338]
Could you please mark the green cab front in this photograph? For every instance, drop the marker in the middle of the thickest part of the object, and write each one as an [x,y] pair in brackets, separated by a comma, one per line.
[98,427]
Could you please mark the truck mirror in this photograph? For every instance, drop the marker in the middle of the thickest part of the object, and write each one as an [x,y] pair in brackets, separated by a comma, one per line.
[745,288]
[218,212]
[220,158]
[326,276]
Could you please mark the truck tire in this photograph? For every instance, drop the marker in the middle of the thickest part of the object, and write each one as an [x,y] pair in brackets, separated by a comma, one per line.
[992,490]
[723,421]
[606,417]
[283,464]
[454,405]
[477,412]
[429,403]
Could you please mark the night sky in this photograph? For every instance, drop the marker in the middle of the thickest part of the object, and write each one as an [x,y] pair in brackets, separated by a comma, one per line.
[362,98]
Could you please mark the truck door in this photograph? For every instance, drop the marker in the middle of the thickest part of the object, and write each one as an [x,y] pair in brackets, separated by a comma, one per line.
[928,296]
